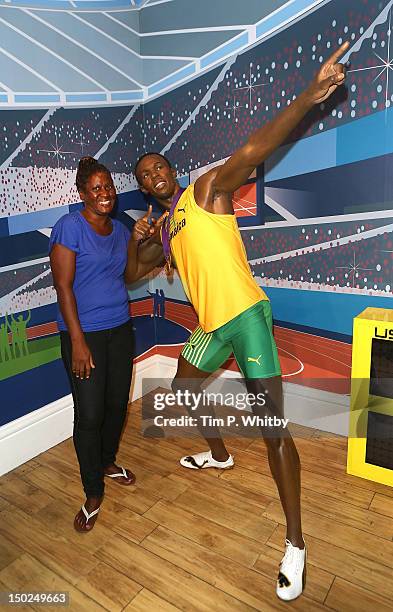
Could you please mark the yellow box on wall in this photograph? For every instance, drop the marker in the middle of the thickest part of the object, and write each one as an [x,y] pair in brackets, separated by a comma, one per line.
[370,442]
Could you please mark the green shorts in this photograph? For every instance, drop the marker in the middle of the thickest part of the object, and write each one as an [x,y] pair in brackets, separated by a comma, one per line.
[249,336]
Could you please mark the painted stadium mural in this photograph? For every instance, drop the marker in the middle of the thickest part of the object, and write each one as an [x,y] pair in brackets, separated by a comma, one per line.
[316,220]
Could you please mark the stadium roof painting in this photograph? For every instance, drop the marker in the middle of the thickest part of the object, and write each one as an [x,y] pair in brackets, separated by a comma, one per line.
[113,52]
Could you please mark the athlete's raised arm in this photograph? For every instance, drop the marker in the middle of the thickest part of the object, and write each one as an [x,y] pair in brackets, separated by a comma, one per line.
[237,169]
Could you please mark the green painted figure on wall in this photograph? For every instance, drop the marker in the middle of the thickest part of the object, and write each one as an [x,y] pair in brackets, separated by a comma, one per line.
[5,350]
[18,329]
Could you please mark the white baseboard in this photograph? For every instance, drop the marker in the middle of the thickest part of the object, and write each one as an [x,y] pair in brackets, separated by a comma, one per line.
[36,432]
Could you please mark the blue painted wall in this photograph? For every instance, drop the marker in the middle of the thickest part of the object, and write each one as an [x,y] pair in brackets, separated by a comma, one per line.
[325,251]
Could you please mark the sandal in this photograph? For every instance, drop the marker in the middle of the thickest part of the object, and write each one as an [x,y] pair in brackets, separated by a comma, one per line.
[127,476]
[88,516]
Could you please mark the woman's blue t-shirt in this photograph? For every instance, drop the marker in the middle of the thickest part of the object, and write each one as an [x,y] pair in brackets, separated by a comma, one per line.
[99,286]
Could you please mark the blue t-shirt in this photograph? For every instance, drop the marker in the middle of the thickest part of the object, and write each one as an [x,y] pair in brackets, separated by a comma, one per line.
[99,286]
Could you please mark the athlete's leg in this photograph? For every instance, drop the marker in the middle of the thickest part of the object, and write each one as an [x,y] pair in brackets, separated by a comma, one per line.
[190,378]
[256,353]
[282,454]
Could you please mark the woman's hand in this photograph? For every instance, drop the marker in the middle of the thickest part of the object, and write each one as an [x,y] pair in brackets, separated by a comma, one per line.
[82,359]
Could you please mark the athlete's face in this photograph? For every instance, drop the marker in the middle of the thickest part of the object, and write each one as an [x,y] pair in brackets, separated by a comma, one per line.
[156,177]
[99,193]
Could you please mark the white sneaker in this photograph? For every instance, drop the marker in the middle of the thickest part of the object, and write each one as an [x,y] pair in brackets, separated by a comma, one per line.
[200,461]
[292,574]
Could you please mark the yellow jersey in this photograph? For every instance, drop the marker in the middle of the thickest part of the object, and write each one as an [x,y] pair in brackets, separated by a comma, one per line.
[212,263]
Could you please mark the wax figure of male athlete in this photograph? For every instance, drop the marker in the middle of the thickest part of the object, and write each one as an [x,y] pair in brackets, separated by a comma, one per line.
[234,313]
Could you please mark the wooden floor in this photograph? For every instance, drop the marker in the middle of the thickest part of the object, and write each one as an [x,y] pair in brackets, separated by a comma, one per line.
[193,541]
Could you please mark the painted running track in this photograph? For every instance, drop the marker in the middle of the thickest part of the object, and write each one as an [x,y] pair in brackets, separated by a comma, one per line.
[305,359]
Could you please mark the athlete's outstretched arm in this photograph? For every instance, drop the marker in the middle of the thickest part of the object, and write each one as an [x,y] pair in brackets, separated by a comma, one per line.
[237,169]
[144,257]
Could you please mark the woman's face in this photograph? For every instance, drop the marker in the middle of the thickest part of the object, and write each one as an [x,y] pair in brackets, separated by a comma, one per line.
[99,193]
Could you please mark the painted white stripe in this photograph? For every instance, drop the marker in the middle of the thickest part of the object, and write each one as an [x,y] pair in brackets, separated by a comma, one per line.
[182,31]
[134,214]
[120,23]
[291,20]
[24,264]
[75,42]
[237,28]
[30,69]
[117,131]
[46,231]
[59,57]
[381,18]
[135,53]
[4,86]
[6,298]
[149,3]
[244,208]
[279,209]
[281,350]
[367,216]
[298,345]
[203,102]
[298,285]
[28,138]
[335,242]
[103,33]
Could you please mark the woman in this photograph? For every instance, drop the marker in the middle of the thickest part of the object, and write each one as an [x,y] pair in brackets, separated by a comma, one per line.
[88,254]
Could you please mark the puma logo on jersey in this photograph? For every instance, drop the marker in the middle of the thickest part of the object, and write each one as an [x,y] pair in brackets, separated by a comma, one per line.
[255,359]
[176,227]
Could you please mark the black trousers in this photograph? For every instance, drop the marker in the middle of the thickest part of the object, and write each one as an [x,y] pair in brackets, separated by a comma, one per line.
[100,402]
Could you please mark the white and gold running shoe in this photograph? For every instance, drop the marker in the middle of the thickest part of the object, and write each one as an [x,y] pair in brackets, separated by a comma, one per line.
[204,460]
[292,573]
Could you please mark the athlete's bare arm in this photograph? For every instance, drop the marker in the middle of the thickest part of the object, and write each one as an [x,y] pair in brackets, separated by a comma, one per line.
[144,257]
[213,190]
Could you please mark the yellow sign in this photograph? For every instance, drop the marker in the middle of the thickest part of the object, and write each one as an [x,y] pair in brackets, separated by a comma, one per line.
[371,327]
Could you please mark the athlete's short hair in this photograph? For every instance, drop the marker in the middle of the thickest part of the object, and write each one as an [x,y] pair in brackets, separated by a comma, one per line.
[147,155]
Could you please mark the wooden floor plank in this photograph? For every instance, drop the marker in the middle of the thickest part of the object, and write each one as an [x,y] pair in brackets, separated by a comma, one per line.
[7,590]
[108,587]
[344,513]
[27,574]
[332,531]
[197,540]
[262,481]
[347,596]
[243,583]
[146,601]
[199,481]
[212,536]
[23,495]
[227,513]
[169,582]
[54,550]
[9,551]
[382,505]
